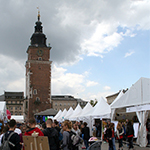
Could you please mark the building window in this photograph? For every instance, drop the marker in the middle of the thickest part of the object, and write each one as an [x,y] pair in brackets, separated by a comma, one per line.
[20,108]
[16,108]
[35,91]
[37,99]
[26,104]
[55,104]
[60,104]
[40,58]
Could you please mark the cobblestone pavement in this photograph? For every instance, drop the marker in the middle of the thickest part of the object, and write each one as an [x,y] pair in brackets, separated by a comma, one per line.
[105,146]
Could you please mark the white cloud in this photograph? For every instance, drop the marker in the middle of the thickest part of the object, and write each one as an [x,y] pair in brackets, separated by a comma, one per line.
[97,96]
[91,83]
[107,87]
[129,53]
[66,83]
[104,39]
[12,75]
[17,85]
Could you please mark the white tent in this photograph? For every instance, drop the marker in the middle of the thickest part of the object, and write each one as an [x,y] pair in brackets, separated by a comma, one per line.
[101,110]
[113,110]
[3,110]
[137,95]
[76,112]
[18,118]
[57,115]
[82,117]
[85,111]
[61,117]
[70,112]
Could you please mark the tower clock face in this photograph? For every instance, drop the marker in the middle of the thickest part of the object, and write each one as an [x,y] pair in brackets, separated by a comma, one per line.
[40,52]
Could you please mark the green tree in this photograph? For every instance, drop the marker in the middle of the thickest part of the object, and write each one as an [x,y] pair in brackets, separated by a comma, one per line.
[93,102]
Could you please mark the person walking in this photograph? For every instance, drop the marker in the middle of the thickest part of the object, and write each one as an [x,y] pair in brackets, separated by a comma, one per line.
[66,126]
[32,125]
[120,132]
[86,134]
[113,136]
[76,129]
[14,138]
[52,135]
[109,135]
[130,134]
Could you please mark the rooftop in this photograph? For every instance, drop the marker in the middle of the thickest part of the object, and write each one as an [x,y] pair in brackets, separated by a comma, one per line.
[14,93]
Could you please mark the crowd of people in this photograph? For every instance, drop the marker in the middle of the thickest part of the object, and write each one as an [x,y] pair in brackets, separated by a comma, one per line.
[60,134]
[124,131]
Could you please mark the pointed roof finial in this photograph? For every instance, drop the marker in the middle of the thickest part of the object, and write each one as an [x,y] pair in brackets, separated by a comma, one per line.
[38,13]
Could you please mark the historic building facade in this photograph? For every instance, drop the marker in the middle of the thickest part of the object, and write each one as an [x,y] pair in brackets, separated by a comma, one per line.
[111,98]
[14,102]
[60,102]
[38,73]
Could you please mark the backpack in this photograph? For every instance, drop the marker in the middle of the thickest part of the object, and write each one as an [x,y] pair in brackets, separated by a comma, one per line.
[74,140]
[5,144]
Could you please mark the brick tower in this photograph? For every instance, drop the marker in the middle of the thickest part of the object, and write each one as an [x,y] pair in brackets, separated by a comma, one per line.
[38,73]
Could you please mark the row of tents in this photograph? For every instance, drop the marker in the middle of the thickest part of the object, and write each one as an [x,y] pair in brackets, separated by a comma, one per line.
[135,100]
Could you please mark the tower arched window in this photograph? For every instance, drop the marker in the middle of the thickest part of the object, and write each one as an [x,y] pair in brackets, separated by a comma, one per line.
[35,91]
[37,99]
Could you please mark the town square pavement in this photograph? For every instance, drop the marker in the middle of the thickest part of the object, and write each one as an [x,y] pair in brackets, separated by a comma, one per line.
[105,146]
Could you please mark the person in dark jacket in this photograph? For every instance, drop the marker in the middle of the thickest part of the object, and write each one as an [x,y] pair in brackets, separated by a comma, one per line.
[14,139]
[109,135]
[130,134]
[86,134]
[52,135]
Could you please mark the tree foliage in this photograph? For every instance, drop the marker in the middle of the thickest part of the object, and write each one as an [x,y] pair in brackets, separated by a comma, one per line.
[93,102]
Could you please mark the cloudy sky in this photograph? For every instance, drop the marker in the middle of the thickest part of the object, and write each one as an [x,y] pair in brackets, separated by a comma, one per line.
[98,47]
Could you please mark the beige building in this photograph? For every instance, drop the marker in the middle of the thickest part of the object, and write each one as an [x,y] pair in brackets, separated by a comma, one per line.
[60,102]
[112,97]
[14,102]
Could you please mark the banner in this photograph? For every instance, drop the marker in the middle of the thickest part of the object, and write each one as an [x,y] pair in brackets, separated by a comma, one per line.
[138,108]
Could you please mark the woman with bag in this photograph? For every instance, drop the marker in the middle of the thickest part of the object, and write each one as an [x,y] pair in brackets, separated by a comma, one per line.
[120,132]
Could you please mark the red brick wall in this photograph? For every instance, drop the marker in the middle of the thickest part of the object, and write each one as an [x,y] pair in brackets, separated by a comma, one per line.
[40,79]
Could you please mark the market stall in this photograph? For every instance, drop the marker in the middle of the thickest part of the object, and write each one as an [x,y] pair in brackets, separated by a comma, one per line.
[136,98]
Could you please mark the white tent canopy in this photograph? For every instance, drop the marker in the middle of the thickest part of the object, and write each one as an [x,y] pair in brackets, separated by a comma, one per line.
[70,112]
[86,110]
[19,118]
[2,110]
[58,114]
[76,112]
[116,99]
[113,109]
[137,95]
[61,117]
[101,110]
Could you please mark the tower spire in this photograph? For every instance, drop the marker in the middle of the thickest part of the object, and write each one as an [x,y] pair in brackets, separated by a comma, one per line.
[38,13]
[38,37]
